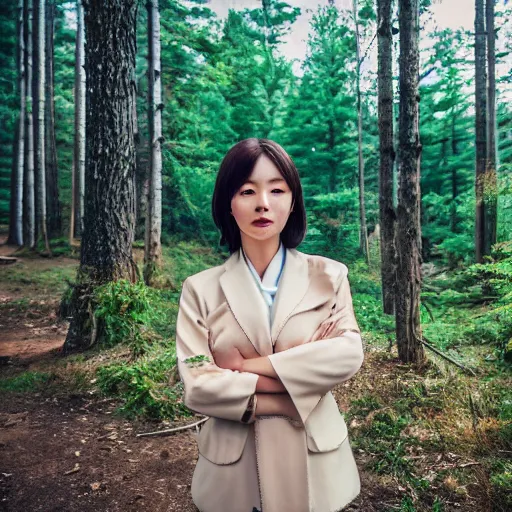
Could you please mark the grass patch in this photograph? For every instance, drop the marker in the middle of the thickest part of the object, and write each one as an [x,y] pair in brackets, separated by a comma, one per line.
[27,381]
[147,387]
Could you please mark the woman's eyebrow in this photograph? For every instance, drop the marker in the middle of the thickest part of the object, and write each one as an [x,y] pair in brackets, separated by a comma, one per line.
[273,180]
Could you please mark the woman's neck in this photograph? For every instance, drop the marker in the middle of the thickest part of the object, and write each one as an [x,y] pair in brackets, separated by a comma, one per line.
[260,253]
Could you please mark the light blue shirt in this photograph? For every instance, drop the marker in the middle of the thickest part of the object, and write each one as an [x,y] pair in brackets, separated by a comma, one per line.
[268,286]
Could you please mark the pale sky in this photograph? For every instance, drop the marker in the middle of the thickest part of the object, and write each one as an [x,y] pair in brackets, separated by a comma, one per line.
[446,14]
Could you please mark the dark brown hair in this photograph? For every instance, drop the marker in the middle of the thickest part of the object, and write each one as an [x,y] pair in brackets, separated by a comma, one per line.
[235,169]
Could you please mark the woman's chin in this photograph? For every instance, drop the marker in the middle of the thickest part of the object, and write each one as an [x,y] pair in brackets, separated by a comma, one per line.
[262,235]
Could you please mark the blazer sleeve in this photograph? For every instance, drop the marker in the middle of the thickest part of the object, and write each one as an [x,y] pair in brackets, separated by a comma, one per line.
[209,389]
[333,355]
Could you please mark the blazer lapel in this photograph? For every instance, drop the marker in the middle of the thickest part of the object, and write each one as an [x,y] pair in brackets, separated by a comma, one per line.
[293,286]
[301,288]
[246,303]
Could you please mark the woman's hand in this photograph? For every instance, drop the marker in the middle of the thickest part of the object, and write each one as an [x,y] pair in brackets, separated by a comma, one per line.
[230,359]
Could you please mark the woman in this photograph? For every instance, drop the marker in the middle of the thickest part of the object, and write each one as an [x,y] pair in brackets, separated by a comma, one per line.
[261,341]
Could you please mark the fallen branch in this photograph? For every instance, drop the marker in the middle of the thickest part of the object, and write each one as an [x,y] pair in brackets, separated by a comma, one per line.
[448,358]
[465,465]
[7,260]
[172,430]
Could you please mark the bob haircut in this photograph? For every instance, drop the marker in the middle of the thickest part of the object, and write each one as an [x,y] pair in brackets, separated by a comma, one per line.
[235,169]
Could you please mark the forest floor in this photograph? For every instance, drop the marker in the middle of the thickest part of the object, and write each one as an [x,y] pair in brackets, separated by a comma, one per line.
[66,448]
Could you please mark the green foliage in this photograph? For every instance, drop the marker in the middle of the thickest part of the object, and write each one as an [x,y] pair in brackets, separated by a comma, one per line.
[125,310]
[9,101]
[382,437]
[27,381]
[144,386]
[361,407]
[495,278]
[366,290]
[501,483]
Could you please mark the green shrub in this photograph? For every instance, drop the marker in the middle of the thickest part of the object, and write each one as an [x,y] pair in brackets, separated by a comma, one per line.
[501,483]
[125,310]
[145,386]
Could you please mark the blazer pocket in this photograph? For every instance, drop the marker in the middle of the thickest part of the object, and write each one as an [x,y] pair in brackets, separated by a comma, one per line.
[222,441]
[325,428]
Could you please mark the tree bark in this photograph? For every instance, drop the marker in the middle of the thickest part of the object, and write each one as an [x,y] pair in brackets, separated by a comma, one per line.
[408,242]
[480,128]
[152,246]
[16,234]
[387,155]
[106,247]
[52,177]
[78,180]
[30,195]
[35,115]
[491,181]
[363,231]
[40,106]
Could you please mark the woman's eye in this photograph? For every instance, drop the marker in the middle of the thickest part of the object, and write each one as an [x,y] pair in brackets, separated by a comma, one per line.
[277,191]
[246,192]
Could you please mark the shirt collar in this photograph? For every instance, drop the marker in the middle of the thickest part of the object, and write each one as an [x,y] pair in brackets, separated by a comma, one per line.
[273,271]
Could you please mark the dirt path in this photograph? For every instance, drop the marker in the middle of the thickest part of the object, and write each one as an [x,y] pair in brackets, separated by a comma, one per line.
[67,454]
[30,291]
[72,454]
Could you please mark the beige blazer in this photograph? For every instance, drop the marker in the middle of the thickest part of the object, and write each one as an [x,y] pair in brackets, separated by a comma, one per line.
[313,344]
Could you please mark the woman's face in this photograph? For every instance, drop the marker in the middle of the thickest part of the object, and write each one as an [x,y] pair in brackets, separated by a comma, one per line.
[262,205]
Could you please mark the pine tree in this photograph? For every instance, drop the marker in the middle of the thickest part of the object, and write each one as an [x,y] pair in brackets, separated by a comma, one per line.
[153,247]
[480,128]
[387,154]
[408,237]
[106,248]
[491,181]
[29,192]
[78,176]
[52,176]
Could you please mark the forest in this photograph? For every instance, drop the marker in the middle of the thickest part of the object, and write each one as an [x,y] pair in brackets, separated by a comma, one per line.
[115,116]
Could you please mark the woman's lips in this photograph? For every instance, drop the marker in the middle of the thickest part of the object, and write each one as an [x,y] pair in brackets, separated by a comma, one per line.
[262,223]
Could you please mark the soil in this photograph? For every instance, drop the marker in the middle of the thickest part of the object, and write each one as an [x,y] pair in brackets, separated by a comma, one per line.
[70,453]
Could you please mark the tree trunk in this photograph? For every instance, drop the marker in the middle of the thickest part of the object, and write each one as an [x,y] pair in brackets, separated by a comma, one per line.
[141,177]
[78,180]
[35,115]
[52,177]
[490,181]
[387,155]
[363,231]
[152,246]
[480,128]
[106,247]
[408,242]
[19,155]
[11,238]
[40,106]
[30,196]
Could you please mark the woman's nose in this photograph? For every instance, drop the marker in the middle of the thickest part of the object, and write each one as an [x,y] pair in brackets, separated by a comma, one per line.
[262,203]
